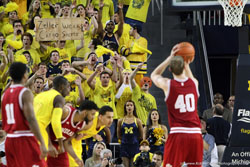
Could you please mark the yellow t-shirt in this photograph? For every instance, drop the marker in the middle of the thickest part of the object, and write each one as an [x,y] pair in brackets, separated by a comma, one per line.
[35,56]
[88,92]
[125,2]
[77,144]
[7,29]
[125,64]
[84,2]
[105,96]
[107,11]
[18,41]
[122,96]
[35,44]
[45,9]
[125,34]
[138,10]
[43,107]
[71,78]
[144,103]
[87,38]
[136,59]
[72,98]
[65,53]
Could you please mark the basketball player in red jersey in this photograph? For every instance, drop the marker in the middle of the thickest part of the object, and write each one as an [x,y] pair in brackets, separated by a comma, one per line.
[72,121]
[184,146]
[19,122]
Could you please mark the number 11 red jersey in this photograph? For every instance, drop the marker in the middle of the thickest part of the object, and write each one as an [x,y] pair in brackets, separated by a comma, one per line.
[181,102]
[12,114]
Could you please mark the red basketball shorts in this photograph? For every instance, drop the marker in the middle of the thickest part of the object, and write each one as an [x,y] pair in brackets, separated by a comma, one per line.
[61,161]
[23,152]
[183,148]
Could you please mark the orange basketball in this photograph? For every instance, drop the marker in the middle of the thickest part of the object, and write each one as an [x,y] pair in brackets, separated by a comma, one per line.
[235,3]
[186,50]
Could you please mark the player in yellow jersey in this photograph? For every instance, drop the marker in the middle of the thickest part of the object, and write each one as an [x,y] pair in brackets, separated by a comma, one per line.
[101,120]
[48,109]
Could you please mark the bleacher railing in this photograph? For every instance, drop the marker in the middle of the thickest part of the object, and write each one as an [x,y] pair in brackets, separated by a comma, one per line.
[159,4]
[215,17]
[209,81]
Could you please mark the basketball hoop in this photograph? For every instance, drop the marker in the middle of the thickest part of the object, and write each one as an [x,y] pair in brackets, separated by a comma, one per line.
[233,10]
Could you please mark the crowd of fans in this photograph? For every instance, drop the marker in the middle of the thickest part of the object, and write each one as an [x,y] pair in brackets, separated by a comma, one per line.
[105,66]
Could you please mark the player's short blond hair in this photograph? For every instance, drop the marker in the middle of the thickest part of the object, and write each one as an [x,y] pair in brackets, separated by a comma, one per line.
[177,65]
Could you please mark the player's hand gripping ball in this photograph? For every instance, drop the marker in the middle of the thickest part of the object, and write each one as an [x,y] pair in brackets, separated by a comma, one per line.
[186,51]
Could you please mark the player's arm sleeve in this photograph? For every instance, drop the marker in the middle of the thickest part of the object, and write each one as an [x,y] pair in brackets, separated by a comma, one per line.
[56,122]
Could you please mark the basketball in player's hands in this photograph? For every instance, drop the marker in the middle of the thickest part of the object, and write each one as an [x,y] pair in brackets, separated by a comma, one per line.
[186,50]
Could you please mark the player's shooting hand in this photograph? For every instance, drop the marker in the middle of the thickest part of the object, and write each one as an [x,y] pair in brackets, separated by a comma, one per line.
[44,151]
[79,162]
[52,151]
[174,50]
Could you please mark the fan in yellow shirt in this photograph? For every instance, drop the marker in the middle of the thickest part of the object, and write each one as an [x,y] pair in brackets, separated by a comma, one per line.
[27,40]
[104,91]
[101,120]
[65,53]
[89,33]
[48,110]
[34,10]
[107,11]
[123,94]
[11,10]
[144,101]
[45,9]
[136,57]
[138,10]
[126,28]
[14,39]
[107,35]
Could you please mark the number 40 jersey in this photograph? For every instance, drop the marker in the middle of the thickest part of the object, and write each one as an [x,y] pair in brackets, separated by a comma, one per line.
[181,100]
[12,110]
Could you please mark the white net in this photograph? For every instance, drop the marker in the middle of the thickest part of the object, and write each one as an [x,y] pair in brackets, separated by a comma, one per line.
[233,10]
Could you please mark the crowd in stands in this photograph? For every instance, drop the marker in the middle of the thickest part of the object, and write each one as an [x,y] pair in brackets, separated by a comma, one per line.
[105,66]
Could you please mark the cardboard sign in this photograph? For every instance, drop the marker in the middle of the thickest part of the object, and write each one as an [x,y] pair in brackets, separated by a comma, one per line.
[59,29]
